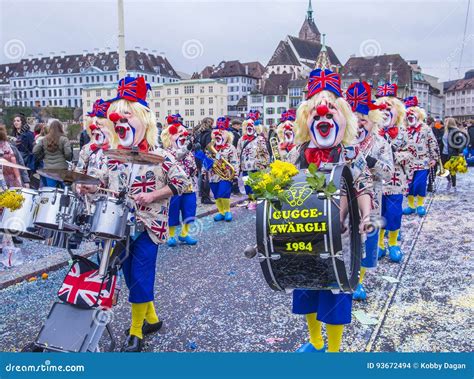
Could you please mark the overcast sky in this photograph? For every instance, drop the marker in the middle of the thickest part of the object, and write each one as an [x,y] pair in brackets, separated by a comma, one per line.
[194,34]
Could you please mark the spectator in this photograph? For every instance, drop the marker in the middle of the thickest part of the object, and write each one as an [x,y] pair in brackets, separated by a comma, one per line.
[235,129]
[203,137]
[24,140]
[25,179]
[40,131]
[9,176]
[55,150]
[84,138]
[448,149]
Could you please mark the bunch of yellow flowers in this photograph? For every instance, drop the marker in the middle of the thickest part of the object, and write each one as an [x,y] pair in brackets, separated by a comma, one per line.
[456,165]
[11,200]
[271,182]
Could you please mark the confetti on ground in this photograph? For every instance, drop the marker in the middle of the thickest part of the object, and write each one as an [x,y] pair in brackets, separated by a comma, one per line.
[390,279]
[365,318]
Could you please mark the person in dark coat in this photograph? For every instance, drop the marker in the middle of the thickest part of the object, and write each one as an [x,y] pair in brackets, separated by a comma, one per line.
[84,139]
[236,130]
[24,140]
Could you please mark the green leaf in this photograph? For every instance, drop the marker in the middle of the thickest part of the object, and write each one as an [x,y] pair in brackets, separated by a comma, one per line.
[331,187]
[312,169]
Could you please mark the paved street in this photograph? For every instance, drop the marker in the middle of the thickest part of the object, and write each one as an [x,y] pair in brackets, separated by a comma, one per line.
[212,298]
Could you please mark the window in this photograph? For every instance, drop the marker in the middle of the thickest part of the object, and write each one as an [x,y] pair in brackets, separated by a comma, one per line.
[176,102]
[157,105]
[109,92]
[270,121]
[191,124]
[281,98]
[211,100]
[97,93]
[168,91]
[202,112]
[169,102]
[176,91]
[188,89]
[270,99]
[157,114]
[211,112]
[211,89]
[201,89]
[280,110]
[270,110]
[202,100]
[186,112]
[60,91]
[54,92]
[157,93]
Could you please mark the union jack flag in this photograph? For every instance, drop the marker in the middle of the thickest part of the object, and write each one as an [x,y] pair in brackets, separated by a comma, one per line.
[128,90]
[395,179]
[143,184]
[223,123]
[85,288]
[323,80]
[357,95]
[387,89]
[159,228]
[253,115]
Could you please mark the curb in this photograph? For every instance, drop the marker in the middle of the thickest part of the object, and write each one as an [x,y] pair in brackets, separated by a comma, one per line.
[61,264]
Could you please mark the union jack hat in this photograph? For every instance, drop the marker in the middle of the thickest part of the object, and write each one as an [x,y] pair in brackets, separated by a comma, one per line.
[222,123]
[174,119]
[411,101]
[323,80]
[254,115]
[289,115]
[387,89]
[132,89]
[359,97]
[99,109]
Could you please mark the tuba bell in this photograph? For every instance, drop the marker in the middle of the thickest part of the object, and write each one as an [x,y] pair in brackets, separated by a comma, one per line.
[441,171]
[221,166]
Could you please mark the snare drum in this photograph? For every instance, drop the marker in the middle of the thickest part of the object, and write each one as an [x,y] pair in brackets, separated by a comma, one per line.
[110,218]
[20,221]
[49,209]
[300,244]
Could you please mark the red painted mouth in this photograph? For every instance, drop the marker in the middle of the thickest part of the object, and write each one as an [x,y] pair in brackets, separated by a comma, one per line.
[324,128]
[121,131]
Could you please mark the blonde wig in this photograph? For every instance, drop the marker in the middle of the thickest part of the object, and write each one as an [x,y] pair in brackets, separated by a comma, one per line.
[376,117]
[145,114]
[228,136]
[398,105]
[259,129]
[302,114]
[450,123]
[166,136]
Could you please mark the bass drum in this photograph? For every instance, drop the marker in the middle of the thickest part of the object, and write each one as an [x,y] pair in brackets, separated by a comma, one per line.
[300,244]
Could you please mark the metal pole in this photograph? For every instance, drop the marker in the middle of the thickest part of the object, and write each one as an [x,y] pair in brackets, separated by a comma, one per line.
[121,40]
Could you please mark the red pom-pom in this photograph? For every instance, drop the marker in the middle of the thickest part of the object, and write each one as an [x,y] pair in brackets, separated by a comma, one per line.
[173,129]
[114,117]
[92,127]
[322,110]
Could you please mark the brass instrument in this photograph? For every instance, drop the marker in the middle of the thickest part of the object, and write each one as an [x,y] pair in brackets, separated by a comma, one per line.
[274,147]
[221,166]
[441,172]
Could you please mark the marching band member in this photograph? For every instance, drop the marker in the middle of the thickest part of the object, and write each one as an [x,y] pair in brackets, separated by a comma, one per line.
[219,153]
[151,187]
[326,127]
[393,131]
[286,136]
[424,148]
[378,155]
[92,160]
[252,149]
[175,141]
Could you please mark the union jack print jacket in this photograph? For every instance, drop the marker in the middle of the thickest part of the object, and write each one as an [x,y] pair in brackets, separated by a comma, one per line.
[253,155]
[148,179]
[92,162]
[423,146]
[187,162]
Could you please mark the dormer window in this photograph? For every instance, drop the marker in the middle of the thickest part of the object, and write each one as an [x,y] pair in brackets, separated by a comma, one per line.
[47,66]
[115,61]
[35,66]
[58,65]
[106,68]
[80,64]
[60,70]
[69,70]
[102,61]
[142,67]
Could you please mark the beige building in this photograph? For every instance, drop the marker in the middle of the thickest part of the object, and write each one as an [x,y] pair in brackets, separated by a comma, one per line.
[193,99]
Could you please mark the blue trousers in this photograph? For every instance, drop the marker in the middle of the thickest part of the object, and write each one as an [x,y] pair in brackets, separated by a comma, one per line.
[392,211]
[221,189]
[139,269]
[46,182]
[185,205]
[419,183]
[331,309]
[248,189]
[370,260]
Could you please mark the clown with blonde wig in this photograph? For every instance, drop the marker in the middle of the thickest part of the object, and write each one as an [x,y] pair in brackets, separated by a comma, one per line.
[424,148]
[92,160]
[150,187]
[286,131]
[252,149]
[175,140]
[221,187]
[326,128]
[393,131]
[378,155]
